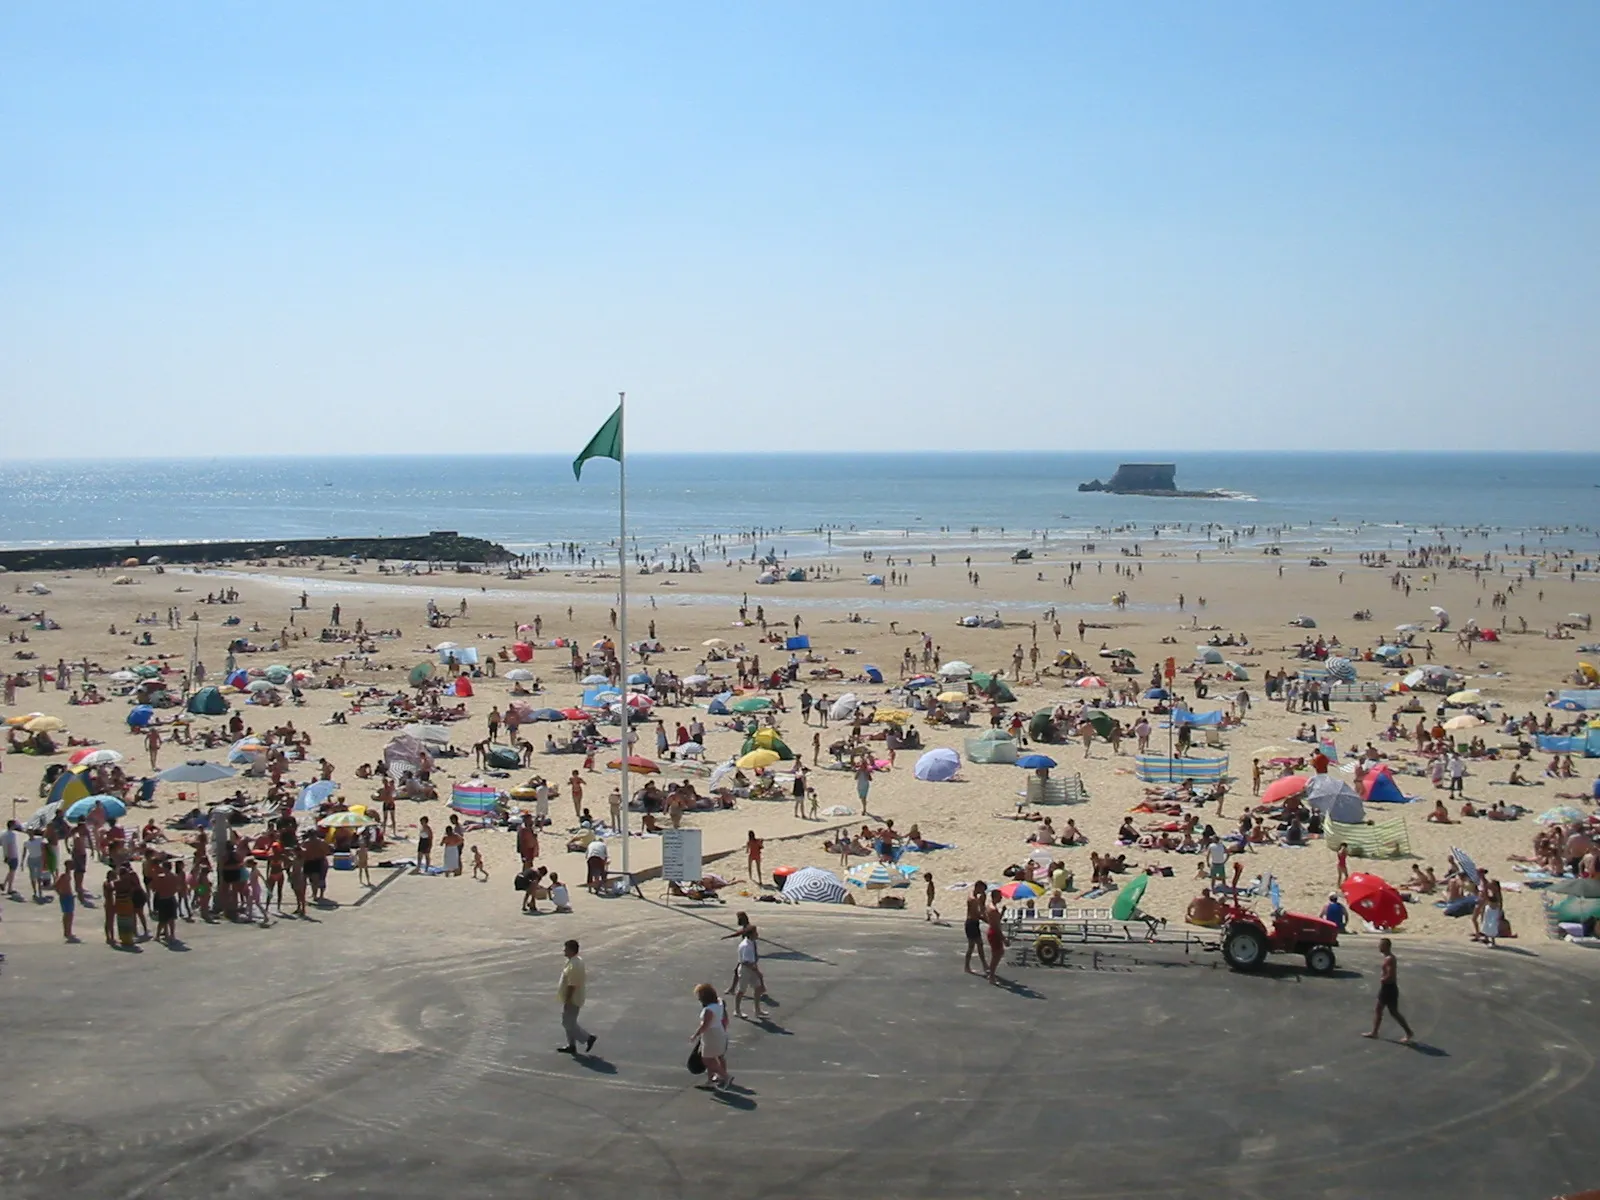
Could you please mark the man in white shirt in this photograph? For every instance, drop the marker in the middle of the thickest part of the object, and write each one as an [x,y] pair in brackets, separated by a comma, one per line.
[1217,860]
[571,990]
[598,860]
[34,852]
[747,977]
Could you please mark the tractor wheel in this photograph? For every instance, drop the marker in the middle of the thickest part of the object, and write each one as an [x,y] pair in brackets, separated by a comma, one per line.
[1244,947]
[1047,950]
[1319,960]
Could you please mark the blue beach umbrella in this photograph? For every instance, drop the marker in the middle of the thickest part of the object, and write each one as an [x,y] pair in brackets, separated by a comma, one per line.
[80,809]
[313,794]
[1158,693]
[1036,762]
[140,716]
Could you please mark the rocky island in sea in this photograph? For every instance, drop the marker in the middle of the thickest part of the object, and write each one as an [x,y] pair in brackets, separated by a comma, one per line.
[1147,479]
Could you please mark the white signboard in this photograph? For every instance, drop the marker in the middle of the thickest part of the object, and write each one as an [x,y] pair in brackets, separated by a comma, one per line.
[680,855]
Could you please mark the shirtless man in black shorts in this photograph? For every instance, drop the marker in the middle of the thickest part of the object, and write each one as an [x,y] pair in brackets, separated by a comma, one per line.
[1389,995]
[977,902]
[164,899]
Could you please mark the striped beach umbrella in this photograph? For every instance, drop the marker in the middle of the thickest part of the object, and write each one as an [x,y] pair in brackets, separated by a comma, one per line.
[814,884]
[876,875]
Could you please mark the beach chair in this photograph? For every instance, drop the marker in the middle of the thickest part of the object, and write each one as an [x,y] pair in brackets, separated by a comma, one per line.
[1214,738]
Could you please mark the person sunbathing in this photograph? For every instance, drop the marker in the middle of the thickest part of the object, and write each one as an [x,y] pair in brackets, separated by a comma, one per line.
[1071,835]
[1423,880]
[1127,835]
[1439,815]
[1516,779]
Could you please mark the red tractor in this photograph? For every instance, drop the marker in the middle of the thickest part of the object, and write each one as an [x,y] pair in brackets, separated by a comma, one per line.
[1246,940]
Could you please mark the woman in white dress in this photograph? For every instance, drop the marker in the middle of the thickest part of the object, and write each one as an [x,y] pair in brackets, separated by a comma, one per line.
[452,853]
[712,1034]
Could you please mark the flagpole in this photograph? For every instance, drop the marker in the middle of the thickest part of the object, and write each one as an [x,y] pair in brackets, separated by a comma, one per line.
[622,621]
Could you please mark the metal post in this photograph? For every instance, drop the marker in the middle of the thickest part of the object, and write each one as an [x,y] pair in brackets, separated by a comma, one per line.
[622,619]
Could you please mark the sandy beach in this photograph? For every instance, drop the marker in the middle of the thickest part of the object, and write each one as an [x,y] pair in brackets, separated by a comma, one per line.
[851,625]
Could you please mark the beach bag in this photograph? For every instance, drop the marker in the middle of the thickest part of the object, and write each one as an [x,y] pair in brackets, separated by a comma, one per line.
[697,1062]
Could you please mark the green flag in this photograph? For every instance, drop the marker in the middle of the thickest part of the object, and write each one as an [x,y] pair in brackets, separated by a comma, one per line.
[605,444]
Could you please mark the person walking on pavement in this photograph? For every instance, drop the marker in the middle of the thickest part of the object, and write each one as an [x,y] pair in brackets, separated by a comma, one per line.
[571,990]
[1389,995]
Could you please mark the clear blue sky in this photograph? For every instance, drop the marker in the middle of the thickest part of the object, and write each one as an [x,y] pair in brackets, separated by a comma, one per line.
[229,227]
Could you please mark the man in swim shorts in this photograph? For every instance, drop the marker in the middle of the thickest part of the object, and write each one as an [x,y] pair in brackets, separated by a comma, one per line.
[1389,994]
[976,902]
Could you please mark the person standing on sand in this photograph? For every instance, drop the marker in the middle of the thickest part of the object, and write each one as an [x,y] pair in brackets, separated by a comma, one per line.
[571,989]
[973,926]
[1389,995]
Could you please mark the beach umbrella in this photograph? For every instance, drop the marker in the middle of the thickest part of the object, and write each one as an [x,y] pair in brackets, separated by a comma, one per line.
[1562,814]
[758,760]
[815,885]
[95,756]
[1444,617]
[937,766]
[346,820]
[279,674]
[1019,889]
[522,651]
[1341,669]
[140,715]
[596,680]
[639,678]
[420,674]
[1336,798]
[1036,762]
[1408,628]
[1576,908]
[1209,655]
[1126,905]
[1157,693]
[637,764]
[574,714]
[1101,720]
[313,795]
[519,675]
[1586,888]
[1567,706]
[22,718]
[247,749]
[147,670]
[122,677]
[1090,681]
[952,697]
[44,724]
[1375,900]
[873,674]
[80,809]
[446,647]
[1467,696]
[920,681]
[1464,721]
[713,643]
[261,686]
[1281,789]
[956,670]
[764,739]
[1464,863]
[844,707]
[196,770]
[404,750]
[547,714]
[751,704]
[875,875]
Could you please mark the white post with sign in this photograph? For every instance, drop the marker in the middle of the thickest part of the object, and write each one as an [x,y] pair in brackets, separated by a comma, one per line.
[680,856]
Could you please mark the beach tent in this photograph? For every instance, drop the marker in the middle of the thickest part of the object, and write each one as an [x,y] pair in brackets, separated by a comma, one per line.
[768,739]
[798,642]
[1379,787]
[992,746]
[207,702]
[796,575]
[718,707]
[1041,727]
[993,687]
[465,656]
[1336,798]
[1209,655]
[937,766]
[873,674]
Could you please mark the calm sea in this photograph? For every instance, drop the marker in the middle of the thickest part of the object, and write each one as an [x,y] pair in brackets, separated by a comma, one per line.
[899,502]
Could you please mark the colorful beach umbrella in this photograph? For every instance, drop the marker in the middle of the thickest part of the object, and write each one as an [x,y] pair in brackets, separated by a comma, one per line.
[1020,889]
[876,875]
[346,820]
[95,756]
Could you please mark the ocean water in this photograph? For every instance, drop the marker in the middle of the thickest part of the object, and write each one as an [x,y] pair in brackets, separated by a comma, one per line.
[894,502]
